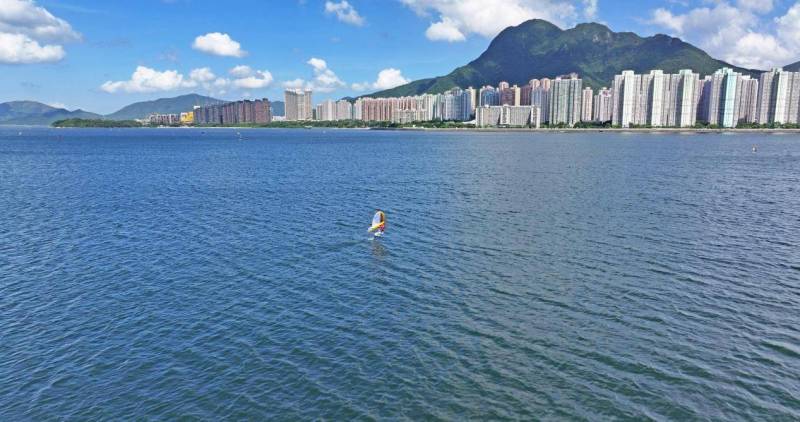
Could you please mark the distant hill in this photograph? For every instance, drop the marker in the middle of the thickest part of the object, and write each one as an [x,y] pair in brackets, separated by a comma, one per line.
[278,108]
[35,113]
[794,67]
[537,49]
[163,106]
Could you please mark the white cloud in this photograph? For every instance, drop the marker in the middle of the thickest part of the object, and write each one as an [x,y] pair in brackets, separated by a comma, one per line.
[758,6]
[25,17]
[241,71]
[455,20]
[345,12]
[325,80]
[259,79]
[387,79]
[202,74]
[737,33]
[590,9]
[218,44]
[360,87]
[318,64]
[145,79]
[446,30]
[390,78]
[31,34]
[788,27]
[295,84]
[20,49]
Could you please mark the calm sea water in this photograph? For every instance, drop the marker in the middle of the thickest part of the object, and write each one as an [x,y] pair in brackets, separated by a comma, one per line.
[164,274]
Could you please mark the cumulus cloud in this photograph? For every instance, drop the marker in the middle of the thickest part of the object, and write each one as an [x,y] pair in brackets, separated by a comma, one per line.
[20,49]
[257,80]
[455,20]
[31,34]
[203,74]
[737,32]
[218,44]
[758,6]
[25,17]
[244,77]
[345,12]
[387,79]
[241,71]
[325,79]
[145,79]
[590,9]
[298,83]
[445,30]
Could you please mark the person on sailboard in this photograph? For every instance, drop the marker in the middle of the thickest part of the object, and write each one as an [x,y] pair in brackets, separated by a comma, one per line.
[378,223]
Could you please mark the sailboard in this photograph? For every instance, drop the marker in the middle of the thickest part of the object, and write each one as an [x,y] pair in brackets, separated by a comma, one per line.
[378,222]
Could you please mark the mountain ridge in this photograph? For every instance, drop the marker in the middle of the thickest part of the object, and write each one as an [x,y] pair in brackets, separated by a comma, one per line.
[28,112]
[167,105]
[537,49]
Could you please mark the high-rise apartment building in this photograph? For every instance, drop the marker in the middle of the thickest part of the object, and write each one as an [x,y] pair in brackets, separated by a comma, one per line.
[344,110]
[656,99]
[510,95]
[626,90]
[603,105]
[298,104]
[541,97]
[565,103]
[587,102]
[686,92]
[779,97]
[238,112]
[719,104]
[747,98]
[326,111]
[488,96]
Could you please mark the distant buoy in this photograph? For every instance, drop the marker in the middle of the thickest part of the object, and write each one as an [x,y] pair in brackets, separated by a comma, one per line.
[755,148]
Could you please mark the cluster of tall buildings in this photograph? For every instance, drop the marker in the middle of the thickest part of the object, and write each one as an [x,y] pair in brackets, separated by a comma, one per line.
[725,98]
[238,112]
[334,110]
[656,99]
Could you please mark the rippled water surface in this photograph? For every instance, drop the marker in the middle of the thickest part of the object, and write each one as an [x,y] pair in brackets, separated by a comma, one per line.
[158,274]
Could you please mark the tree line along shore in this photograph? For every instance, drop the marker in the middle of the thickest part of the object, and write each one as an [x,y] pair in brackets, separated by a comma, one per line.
[358,124]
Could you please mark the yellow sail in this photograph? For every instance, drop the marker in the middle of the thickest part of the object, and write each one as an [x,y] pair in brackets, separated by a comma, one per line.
[378,221]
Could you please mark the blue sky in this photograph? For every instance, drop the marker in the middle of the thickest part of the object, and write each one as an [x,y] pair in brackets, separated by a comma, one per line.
[102,55]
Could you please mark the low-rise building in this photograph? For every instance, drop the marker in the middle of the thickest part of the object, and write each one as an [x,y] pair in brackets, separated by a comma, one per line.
[508,116]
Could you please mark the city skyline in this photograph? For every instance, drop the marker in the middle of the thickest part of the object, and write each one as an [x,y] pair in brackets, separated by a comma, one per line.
[116,54]
[723,99]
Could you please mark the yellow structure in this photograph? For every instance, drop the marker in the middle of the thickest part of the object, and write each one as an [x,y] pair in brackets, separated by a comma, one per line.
[187,118]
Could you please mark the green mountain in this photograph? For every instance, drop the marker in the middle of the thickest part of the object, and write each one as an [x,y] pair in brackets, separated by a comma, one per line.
[162,105]
[34,113]
[538,49]
[794,67]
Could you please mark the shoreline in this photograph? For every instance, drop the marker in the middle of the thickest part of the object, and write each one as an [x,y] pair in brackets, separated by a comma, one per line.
[598,130]
[475,130]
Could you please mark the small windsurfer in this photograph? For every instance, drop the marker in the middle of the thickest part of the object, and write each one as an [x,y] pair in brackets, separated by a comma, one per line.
[378,223]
